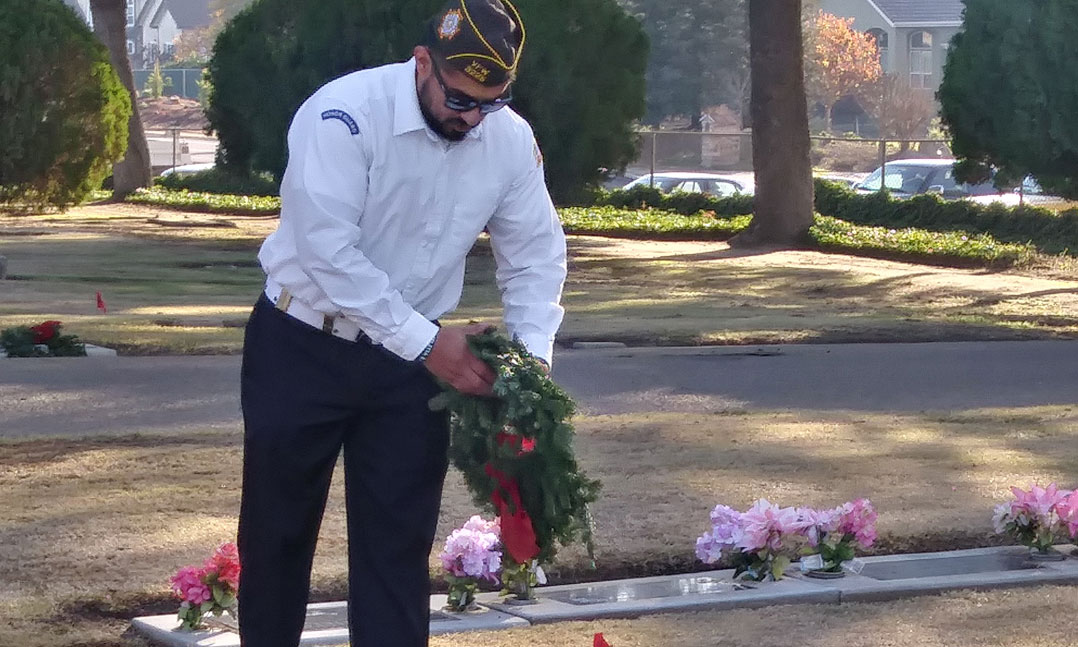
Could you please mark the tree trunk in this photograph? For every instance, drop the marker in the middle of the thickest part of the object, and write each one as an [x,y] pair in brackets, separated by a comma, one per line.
[133,171]
[780,135]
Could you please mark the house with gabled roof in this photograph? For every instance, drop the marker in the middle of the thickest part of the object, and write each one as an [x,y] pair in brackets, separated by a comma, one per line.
[913,35]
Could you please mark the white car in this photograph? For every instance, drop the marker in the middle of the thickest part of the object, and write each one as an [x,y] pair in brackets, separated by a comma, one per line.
[719,186]
[187,169]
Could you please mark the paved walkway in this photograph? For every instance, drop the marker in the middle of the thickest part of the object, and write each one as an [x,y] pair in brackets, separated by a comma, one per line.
[176,394]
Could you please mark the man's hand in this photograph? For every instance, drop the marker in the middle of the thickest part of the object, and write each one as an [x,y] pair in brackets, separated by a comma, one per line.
[452,361]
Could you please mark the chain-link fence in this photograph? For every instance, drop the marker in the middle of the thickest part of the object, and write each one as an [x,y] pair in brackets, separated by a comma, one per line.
[178,82]
[732,152]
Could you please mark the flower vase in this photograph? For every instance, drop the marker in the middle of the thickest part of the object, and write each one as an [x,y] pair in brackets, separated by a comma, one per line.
[462,592]
[1048,554]
[822,574]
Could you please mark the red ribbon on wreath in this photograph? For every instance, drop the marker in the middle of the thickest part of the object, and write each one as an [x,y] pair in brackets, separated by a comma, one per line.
[44,332]
[518,534]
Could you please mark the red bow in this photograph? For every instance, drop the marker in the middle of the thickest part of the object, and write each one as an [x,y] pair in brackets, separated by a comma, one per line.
[525,445]
[44,332]
[518,535]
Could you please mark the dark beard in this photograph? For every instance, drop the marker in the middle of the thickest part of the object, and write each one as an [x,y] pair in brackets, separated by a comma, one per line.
[439,127]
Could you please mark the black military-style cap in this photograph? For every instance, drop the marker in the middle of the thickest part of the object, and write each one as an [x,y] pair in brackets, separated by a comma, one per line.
[482,38]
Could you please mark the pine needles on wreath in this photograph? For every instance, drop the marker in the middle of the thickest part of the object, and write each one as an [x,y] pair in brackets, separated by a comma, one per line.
[525,434]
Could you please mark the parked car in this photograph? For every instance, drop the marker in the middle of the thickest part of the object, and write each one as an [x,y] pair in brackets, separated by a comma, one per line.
[187,169]
[906,178]
[719,186]
[909,177]
[1030,193]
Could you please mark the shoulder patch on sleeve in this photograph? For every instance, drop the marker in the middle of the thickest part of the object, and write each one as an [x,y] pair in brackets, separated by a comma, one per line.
[353,127]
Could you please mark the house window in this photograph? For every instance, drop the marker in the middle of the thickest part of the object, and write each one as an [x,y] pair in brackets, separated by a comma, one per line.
[130,48]
[880,36]
[921,59]
[130,13]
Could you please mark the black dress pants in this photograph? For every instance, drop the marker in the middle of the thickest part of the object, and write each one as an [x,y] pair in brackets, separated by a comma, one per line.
[307,395]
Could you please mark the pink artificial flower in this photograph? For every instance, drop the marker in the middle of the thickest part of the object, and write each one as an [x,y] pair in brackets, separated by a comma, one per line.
[1038,502]
[1067,509]
[726,532]
[479,524]
[815,524]
[858,518]
[766,524]
[226,563]
[187,584]
[473,550]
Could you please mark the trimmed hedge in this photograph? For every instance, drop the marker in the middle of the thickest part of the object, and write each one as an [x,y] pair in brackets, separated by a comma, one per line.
[222,182]
[830,234]
[649,223]
[682,202]
[1048,231]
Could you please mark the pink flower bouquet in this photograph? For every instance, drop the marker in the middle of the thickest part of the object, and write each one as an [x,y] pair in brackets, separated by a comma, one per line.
[471,553]
[211,588]
[757,540]
[833,534]
[1067,509]
[1036,517]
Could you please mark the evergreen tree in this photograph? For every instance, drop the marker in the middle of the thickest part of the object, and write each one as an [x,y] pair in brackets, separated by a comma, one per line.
[1010,93]
[581,78]
[63,110]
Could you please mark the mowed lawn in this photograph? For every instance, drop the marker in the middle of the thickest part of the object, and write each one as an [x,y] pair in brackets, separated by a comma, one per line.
[184,283]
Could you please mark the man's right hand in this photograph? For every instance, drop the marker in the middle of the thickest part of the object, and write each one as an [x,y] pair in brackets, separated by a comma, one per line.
[453,362]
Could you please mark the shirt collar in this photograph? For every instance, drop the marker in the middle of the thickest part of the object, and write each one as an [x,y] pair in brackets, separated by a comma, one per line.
[407,116]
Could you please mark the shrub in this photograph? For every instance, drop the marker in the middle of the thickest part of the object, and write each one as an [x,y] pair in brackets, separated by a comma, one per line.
[63,110]
[684,203]
[1050,232]
[581,81]
[221,181]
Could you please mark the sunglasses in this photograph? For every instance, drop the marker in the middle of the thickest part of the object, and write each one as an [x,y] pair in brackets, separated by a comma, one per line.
[460,102]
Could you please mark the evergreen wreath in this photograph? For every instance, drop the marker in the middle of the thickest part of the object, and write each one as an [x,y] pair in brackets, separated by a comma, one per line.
[522,433]
[42,340]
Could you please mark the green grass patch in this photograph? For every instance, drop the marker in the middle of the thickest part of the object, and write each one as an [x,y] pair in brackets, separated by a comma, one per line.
[207,202]
[950,248]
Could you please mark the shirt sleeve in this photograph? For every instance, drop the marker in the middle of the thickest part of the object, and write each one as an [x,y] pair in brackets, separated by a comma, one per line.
[529,248]
[323,194]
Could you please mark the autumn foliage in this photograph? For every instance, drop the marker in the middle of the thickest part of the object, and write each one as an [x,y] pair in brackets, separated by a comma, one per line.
[840,61]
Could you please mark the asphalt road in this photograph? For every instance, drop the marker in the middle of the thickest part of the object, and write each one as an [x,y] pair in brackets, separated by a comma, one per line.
[42,397]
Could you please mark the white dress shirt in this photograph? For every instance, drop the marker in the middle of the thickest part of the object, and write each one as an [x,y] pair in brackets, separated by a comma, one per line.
[378,214]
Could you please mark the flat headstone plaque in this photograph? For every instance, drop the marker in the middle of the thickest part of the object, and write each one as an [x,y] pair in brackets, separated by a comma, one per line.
[934,566]
[628,591]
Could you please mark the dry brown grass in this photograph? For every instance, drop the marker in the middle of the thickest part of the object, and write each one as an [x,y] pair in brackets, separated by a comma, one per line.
[1040,617]
[90,530]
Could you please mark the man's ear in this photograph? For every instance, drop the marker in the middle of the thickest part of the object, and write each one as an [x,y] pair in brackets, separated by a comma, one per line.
[422,59]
